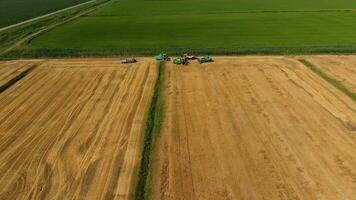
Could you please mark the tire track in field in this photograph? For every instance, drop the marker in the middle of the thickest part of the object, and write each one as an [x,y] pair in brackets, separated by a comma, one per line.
[20,156]
[20,129]
[84,162]
[97,126]
[39,138]
[50,143]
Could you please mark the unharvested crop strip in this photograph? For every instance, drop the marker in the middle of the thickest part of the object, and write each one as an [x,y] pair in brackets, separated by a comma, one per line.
[336,83]
[152,129]
[16,79]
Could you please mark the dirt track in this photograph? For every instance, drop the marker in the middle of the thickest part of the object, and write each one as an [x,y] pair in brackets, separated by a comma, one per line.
[255,128]
[44,16]
[342,68]
[71,129]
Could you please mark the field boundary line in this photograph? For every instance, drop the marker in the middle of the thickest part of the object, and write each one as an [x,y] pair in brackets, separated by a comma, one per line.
[152,129]
[17,78]
[336,83]
[44,16]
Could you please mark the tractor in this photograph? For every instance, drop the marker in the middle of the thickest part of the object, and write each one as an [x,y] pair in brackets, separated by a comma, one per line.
[189,57]
[129,60]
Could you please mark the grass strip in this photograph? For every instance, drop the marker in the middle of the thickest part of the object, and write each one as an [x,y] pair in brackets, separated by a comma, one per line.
[16,79]
[152,129]
[336,83]
[28,52]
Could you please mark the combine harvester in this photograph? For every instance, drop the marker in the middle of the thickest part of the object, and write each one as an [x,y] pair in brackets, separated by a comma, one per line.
[184,60]
[162,57]
[180,61]
[205,59]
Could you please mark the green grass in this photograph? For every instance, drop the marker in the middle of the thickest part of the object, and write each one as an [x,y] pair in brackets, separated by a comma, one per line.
[336,83]
[65,53]
[152,129]
[145,27]
[11,36]
[205,31]
[169,7]
[209,31]
[14,11]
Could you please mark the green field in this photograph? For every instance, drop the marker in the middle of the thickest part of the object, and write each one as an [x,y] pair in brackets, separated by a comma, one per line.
[228,26]
[155,7]
[14,11]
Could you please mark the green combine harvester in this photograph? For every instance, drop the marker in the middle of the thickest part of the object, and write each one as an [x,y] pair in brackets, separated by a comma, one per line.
[161,57]
[180,61]
[205,59]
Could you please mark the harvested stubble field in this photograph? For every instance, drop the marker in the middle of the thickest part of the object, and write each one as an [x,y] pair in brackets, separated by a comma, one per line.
[71,129]
[11,69]
[343,68]
[254,128]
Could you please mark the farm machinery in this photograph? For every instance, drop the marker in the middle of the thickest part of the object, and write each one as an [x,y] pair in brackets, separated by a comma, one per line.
[129,60]
[184,60]
[189,57]
[205,59]
[180,61]
[162,57]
